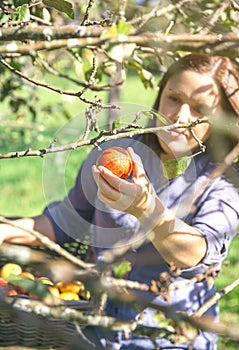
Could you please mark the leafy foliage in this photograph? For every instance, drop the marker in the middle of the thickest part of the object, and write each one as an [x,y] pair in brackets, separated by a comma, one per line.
[118,38]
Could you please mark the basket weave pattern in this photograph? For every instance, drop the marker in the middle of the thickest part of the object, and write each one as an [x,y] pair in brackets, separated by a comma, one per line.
[26,329]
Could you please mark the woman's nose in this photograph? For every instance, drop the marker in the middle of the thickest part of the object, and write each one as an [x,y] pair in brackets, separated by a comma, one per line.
[184,114]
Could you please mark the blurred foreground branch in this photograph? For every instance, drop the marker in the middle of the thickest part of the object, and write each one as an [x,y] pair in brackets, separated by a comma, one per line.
[103,136]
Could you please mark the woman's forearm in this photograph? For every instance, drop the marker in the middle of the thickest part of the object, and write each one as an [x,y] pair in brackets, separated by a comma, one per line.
[177,242]
[17,235]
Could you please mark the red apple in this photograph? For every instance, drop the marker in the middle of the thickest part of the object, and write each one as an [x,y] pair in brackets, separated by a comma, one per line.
[117,160]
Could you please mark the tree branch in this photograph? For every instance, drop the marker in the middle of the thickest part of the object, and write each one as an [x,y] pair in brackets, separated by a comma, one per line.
[49,244]
[78,94]
[52,38]
[217,296]
[103,136]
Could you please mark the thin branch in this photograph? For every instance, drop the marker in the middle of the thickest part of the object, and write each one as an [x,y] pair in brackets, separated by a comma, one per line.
[211,22]
[103,136]
[159,12]
[142,20]
[216,297]
[40,20]
[200,143]
[87,85]
[122,9]
[60,91]
[111,283]
[86,16]
[48,243]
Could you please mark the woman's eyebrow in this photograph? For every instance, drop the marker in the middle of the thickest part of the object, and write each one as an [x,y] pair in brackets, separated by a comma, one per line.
[176,91]
[202,89]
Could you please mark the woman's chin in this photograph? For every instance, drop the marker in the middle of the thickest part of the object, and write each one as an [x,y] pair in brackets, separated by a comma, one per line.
[177,150]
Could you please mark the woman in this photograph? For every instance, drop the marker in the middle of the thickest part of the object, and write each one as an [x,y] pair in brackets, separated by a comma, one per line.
[167,222]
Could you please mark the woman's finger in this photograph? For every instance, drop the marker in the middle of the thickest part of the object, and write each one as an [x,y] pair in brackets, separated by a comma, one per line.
[104,187]
[139,175]
[113,180]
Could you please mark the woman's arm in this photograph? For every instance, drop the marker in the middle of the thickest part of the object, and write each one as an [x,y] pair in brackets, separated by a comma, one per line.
[177,242]
[12,234]
[61,221]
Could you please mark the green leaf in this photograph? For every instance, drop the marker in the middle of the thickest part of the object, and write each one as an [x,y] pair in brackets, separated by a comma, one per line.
[21,2]
[122,268]
[160,318]
[116,123]
[33,286]
[146,76]
[22,14]
[147,114]
[62,6]
[110,68]
[236,160]
[121,28]
[160,117]
[124,28]
[175,167]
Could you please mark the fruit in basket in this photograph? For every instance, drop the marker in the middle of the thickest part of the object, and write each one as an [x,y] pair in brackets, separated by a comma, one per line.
[73,287]
[10,269]
[54,291]
[69,296]
[45,280]
[117,160]
[16,281]
[3,283]
[27,275]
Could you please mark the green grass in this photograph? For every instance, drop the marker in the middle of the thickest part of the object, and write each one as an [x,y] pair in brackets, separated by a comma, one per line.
[22,189]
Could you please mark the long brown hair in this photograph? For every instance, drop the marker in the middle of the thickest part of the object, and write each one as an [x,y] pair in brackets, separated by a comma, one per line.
[225,75]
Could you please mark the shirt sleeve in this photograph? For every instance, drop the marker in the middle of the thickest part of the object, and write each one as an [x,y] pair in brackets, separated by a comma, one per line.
[217,220]
[72,217]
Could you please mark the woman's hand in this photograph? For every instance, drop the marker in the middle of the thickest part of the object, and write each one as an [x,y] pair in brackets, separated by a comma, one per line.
[177,242]
[135,197]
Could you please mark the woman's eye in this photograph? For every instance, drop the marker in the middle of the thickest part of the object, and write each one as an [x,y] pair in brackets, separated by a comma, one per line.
[173,98]
[203,109]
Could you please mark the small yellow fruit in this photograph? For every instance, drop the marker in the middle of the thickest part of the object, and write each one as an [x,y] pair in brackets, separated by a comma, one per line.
[54,291]
[69,296]
[27,275]
[45,280]
[10,269]
[73,287]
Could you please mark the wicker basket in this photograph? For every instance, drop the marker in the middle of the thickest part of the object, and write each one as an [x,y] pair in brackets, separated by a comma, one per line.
[19,328]
[27,329]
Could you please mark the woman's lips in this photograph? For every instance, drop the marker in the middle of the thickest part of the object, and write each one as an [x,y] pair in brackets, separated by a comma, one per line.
[179,133]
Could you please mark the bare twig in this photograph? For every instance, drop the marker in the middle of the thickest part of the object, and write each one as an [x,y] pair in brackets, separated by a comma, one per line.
[87,85]
[122,9]
[48,243]
[86,16]
[103,136]
[60,91]
[111,283]
[217,296]
[157,12]
[211,22]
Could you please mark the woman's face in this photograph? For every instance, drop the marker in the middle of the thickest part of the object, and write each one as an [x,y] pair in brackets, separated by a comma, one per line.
[187,96]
